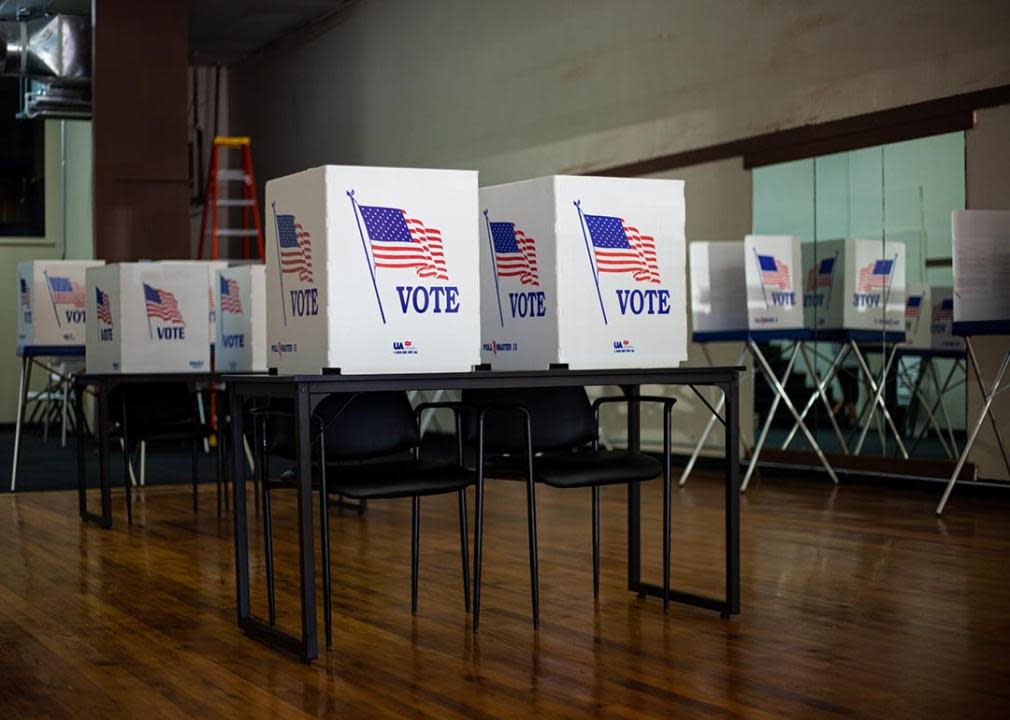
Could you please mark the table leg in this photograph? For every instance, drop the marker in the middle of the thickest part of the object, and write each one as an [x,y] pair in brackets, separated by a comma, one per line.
[26,376]
[732,475]
[103,454]
[82,475]
[634,495]
[306,545]
[236,410]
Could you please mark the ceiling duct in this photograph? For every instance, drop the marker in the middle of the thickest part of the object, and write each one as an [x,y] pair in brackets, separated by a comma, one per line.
[52,56]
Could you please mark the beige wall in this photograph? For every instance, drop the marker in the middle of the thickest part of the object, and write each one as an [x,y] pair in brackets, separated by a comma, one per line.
[528,88]
[76,245]
[987,150]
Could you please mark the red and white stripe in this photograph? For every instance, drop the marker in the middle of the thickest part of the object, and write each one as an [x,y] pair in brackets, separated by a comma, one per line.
[426,253]
[230,301]
[299,259]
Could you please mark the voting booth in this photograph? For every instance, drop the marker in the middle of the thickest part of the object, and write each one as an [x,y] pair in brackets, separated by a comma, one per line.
[854,284]
[372,270]
[148,317]
[240,298]
[918,313]
[941,320]
[771,264]
[583,272]
[51,302]
[981,306]
[210,269]
[718,291]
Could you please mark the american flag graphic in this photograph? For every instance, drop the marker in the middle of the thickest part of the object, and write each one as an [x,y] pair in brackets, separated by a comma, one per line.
[820,276]
[621,248]
[25,301]
[66,291]
[913,306]
[295,245]
[515,254]
[162,304]
[230,300]
[103,306]
[774,273]
[875,276]
[399,241]
[944,310]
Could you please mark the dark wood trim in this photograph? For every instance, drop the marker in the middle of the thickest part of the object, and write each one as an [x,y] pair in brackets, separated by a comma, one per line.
[908,122]
[872,464]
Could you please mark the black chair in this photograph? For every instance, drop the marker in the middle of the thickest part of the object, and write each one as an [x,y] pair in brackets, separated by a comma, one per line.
[551,436]
[147,412]
[369,448]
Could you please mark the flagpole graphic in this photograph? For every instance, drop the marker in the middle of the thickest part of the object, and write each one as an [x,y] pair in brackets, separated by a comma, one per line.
[589,254]
[761,277]
[280,269]
[364,248]
[150,332]
[494,268]
[887,290]
[831,286]
[45,274]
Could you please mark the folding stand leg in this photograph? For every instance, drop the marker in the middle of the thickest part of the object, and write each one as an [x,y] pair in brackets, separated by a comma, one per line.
[978,423]
[936,403]
[930,418]
[711,419]
[819,391]
[781,393]
[943,410]
[878,398]
[978,379]
[752,346]
[63,425]
[26,375]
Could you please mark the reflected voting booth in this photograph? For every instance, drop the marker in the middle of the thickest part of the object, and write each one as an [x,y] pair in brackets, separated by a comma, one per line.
[372,270]
[583,272]
[51,302]
[240,295]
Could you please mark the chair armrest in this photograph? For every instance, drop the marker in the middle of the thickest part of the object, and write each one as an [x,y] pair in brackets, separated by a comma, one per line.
[456,407]
[666,402]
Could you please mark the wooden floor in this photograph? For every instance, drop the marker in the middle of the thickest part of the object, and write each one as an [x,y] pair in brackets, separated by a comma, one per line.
[857,602]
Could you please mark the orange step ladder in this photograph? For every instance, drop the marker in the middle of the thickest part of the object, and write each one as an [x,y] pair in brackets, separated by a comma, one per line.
[216,199]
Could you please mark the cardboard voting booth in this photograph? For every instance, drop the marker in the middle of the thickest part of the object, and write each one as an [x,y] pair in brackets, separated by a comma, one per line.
[918,331]
[584,272]
[240,298]
[51,296]
[772,266]
[854,284]
[941,316]
[718,290]
[210,269]
[148,317]
[982,270]
[372,270]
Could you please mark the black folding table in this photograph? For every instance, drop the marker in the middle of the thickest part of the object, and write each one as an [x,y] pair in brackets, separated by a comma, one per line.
[307,391]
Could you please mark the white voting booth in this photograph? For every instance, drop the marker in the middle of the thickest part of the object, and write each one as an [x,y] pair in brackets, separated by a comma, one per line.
[148,317]
[918,310]
[854,292]
[981,240]
[240,297]
[372,270]
[51,322]
[775,312]
[209,268]
[50,302]
[584,272]
[941,320]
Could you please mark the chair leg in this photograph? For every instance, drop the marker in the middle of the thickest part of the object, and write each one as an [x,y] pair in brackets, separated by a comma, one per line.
[415,518]
[531,515]
[596,542]
[194,451]
[126,480]
[324,523]
[464,546]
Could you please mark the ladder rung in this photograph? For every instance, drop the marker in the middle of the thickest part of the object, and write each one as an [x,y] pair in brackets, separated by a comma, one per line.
[235,202]
[232,175]
[235,232]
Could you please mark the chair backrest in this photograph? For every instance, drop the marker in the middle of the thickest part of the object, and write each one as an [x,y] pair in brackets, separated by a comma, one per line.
[367,425]
[560,418]
[152,404]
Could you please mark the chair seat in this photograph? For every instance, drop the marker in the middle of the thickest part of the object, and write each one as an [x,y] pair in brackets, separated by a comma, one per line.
[398,479]
[580,469]
[587,469]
